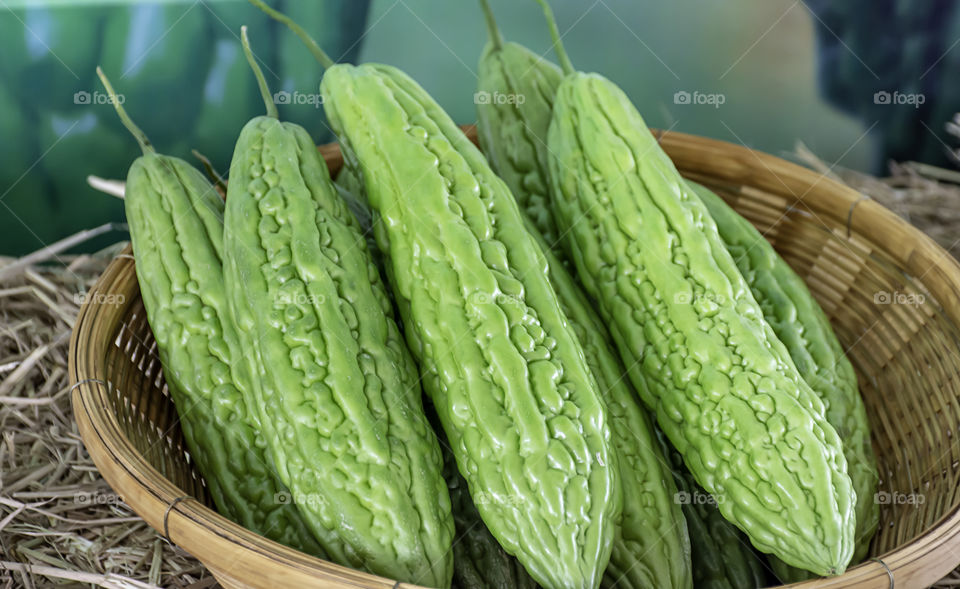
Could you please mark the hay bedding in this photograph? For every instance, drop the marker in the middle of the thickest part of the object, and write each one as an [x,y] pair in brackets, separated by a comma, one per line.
[60,523]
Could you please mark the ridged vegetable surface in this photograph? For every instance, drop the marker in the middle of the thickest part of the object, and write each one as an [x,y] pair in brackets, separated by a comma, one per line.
[503,367]
[515,92]
[721,555]
[479,562]
[176,228]
[723,387]
[804,329]
[339,397]
[651,547]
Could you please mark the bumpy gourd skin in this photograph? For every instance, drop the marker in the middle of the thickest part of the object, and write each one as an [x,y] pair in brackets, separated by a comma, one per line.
[176,226]
[652,548]
[504,369]
[339,395]
[805,330]
[720,553]
[479,562]
[512,135]
[723,387]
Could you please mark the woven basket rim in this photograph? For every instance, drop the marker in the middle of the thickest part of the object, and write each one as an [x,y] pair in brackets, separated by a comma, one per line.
[235,554]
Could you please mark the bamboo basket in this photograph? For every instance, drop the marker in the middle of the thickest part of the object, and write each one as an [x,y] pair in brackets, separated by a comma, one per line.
[892,295]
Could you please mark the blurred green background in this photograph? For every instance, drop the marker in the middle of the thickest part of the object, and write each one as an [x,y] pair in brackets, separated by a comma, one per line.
[652,50]
[181,72]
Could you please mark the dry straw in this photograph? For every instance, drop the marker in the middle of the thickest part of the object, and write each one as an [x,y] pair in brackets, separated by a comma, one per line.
[60,523]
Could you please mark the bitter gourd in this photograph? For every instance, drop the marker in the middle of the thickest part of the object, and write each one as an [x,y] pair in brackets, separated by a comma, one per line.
[510,383]
[804,329]
[721,555]
[175,218]
[479,562]
[338,391]
[505,371]
[723,387]
[515,92]
[652,548]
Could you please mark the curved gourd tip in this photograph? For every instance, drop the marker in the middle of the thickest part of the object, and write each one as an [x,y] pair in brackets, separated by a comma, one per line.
[261,81]
[565,62]
[318,53]
[137,133]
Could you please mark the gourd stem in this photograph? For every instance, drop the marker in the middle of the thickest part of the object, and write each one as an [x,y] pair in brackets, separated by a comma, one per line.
[494,31]
[211,172]
[565,62]
[261,81]
[138,134]
[278,16]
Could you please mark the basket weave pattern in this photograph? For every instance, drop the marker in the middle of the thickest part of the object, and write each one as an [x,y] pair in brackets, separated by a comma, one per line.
[892,295]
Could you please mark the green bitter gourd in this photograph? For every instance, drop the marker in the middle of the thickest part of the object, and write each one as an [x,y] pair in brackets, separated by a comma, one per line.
[504,370]
[652,548]
[721,555]
[723,387]
[176,227]
[348,181]
[479,562]
[508,377]
[515,91]
[338,392]
[805,330]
